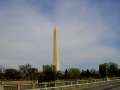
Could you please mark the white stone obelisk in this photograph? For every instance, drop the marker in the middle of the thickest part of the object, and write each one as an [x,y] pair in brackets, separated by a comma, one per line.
[56,56]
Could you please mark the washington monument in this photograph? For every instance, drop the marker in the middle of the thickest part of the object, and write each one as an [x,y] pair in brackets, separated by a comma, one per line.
[56,57]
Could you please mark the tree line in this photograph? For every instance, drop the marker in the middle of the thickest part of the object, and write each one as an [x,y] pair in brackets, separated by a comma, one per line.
[27,72]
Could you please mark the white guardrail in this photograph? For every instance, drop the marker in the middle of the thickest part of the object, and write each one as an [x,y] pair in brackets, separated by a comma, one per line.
[80,86]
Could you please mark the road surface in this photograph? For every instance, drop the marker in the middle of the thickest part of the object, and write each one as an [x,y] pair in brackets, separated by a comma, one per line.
[115,86]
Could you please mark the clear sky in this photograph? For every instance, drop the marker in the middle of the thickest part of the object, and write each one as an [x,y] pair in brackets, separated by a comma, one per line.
[88,32]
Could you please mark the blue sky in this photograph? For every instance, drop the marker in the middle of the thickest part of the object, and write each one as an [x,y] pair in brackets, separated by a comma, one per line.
[88,32]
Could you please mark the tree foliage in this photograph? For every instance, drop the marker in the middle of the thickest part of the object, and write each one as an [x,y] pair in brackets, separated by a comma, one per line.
[74,73]
[108,69]
[27,72]
[49,73]
[12,74]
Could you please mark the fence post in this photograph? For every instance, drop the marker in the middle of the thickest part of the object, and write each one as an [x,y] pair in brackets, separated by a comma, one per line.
[18,86]
[45,85]
[55,84]
[33,84]
[61,88]
[87,83]
[1,85]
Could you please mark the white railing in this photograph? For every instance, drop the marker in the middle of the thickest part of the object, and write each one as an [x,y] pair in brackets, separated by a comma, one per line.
[79,86]
[58,85]
[63,83]
[17,87]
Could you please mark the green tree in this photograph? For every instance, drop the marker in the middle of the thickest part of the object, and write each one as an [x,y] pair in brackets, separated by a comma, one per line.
[74,73]
[103,70]
[118,73]
[88,73]
[33,73]
[49,73]
[108,69]
[83,74]
[66,74]
[41,77]
[28,72]
[113,69]
[12,74]
[60,75]
[1,75]
[94,73]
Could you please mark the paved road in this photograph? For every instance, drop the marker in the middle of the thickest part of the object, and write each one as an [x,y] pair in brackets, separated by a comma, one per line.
[115,86]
